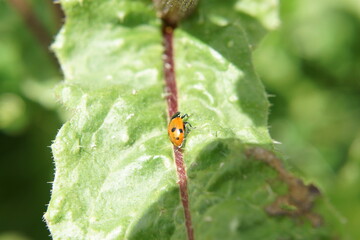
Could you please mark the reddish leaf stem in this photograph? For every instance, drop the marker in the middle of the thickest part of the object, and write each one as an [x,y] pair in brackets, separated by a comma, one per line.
[172,101]
[24,9]
[180,167]
[169,69]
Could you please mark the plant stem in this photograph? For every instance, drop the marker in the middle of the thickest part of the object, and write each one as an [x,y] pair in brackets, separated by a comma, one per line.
[169,69]
[25,10]
[180,167]
[172,101]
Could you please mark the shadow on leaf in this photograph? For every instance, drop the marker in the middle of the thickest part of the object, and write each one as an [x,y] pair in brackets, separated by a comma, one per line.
[228,193]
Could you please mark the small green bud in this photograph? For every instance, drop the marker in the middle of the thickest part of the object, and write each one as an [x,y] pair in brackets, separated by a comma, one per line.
[172,11]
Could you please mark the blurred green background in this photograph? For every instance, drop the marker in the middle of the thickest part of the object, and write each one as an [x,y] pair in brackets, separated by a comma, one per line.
[310,67]
[29,118]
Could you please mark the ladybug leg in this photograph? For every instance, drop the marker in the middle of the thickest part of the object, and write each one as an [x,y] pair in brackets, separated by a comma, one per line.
[184,116]
[187,123]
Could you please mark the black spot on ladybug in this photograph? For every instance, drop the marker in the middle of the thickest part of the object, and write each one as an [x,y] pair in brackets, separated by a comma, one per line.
[177,138]
[180,130]
[173,129]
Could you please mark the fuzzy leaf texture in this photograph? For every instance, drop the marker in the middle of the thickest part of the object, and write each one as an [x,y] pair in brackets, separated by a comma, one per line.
[115,173]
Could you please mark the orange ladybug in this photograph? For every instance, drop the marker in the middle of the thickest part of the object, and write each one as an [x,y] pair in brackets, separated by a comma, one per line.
[176,129]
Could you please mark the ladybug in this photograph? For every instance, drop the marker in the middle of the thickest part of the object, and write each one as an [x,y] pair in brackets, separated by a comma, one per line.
[176,129]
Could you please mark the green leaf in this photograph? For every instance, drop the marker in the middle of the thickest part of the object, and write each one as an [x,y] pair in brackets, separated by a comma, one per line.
[115,173]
